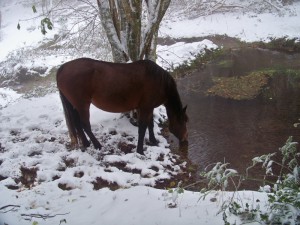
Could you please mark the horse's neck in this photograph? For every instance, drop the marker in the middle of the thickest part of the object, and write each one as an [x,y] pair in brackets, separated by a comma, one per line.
[173,104]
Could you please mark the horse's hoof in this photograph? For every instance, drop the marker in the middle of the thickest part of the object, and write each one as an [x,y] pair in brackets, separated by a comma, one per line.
[86,144]
[134,122]
[152,143]
[141,153]
[98,147]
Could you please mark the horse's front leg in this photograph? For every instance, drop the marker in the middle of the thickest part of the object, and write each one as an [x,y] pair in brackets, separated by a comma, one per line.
[152,139]
[142,130]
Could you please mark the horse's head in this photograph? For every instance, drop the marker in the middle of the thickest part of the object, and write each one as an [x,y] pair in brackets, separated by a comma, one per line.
[177,126]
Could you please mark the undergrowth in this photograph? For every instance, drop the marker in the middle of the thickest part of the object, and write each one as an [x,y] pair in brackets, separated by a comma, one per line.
[187,67]
[284,44]
[282,204]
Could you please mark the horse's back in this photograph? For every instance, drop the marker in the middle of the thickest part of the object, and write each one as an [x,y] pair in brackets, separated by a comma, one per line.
[114,87]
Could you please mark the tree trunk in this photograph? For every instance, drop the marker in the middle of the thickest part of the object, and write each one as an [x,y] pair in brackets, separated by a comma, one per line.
[132,38]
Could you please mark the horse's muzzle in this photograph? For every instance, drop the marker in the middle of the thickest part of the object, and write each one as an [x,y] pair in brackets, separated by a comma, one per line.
[183,143]
[184,146]
[184,139]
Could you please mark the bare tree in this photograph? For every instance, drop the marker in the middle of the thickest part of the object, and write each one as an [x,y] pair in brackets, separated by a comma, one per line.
[131,27]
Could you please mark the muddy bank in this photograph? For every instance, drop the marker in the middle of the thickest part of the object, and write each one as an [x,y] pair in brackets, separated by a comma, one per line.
[220,40]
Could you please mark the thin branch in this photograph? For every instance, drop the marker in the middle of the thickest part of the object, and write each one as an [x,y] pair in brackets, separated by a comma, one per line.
[277,8]
[13,208]
[42,216]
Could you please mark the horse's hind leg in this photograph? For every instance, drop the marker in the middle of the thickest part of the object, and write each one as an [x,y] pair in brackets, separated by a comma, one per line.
[81,136]
[85,122]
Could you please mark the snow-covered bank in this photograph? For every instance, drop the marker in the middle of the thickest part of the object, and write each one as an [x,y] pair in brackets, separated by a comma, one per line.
[247,27]
[7,96]
[137,205]
[171,56]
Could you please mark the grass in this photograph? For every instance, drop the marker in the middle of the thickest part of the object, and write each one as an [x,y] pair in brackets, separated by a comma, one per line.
[283,44]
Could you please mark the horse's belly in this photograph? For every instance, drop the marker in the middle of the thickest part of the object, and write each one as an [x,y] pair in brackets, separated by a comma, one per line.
[115,106]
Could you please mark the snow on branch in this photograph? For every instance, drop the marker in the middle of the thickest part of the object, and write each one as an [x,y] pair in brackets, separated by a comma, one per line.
[156,11]
[109,20]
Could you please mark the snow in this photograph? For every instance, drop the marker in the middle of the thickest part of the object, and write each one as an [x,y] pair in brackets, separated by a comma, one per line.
[33,135]
[137,205]
[8,96]
[171,56]
[10,37]
[247,27]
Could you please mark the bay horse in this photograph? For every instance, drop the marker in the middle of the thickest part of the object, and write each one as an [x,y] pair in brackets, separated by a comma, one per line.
[118,87]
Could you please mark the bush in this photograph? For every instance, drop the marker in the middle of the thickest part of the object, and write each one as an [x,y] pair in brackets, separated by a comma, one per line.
[283,195]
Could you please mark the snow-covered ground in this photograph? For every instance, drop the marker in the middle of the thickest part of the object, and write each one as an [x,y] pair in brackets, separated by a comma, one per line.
[33,136]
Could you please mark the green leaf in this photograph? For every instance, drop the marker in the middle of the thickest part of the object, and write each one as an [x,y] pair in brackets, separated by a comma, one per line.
[46,22]
[264,217]
[34,9]
[180,190]
[63,221]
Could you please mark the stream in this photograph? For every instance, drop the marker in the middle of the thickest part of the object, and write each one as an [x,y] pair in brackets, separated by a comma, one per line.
[235,131]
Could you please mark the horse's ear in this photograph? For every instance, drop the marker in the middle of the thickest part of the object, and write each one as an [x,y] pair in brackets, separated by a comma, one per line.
[184,109]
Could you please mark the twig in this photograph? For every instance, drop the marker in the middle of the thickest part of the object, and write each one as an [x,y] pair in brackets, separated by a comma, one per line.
[42,216]
[12,209]
[272,5]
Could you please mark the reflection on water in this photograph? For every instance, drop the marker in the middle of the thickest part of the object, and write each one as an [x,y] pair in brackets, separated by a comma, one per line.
[236,131]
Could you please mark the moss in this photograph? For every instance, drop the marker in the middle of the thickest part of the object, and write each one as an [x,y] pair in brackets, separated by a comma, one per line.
[227,63]
[249,86]
[239,88]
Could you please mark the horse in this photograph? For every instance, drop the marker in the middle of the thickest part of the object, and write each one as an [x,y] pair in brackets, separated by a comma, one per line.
[118,87]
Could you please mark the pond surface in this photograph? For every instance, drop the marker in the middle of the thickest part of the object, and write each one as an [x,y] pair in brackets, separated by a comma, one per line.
[236,131]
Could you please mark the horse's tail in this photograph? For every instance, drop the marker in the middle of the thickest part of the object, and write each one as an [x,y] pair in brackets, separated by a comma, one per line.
[72,118]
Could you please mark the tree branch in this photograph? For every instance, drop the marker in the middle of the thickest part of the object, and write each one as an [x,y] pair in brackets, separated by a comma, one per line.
[119,53]
[42,216]
[155,14]
[13,208]
[277,8]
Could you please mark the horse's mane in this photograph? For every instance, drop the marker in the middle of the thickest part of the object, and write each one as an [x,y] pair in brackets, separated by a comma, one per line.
[173,100]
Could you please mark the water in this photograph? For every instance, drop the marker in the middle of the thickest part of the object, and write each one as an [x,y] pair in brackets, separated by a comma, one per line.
[237,131]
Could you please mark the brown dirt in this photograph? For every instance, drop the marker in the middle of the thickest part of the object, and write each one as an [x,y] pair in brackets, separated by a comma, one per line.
[28,176]
[101,183]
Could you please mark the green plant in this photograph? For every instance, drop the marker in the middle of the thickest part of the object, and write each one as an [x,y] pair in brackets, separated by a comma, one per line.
[174,195]
[283,196]
[218,177]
